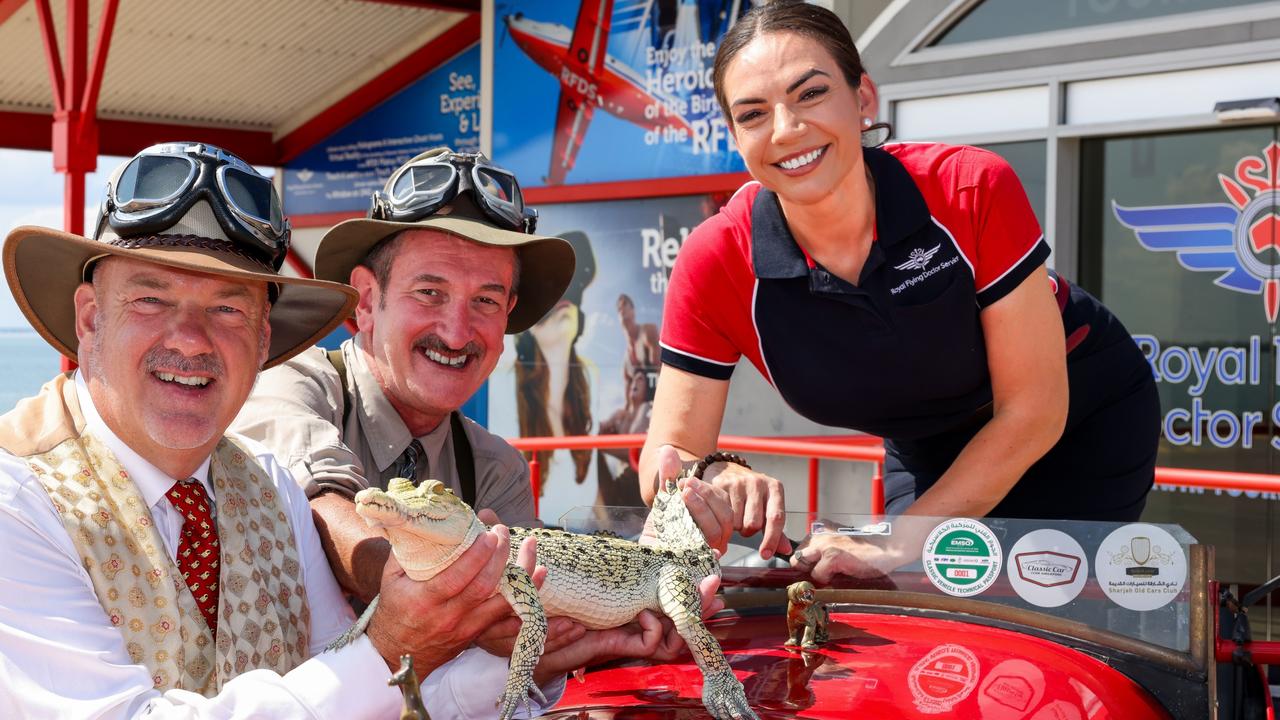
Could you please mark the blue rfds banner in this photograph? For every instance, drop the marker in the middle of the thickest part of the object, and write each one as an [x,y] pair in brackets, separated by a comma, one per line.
[342,172]
[590,91]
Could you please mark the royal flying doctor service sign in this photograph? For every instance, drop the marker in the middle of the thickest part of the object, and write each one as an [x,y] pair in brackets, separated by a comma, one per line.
[1234,244]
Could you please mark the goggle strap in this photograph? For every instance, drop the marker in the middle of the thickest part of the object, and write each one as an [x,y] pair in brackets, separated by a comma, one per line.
[195,242]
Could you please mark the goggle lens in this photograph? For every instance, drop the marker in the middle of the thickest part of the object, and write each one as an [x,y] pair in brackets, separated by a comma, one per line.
[425,179]
[252,195]
[152,177]
[498,185]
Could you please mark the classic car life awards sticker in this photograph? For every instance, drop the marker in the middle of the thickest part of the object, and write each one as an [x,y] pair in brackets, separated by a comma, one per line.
[1140,567]
[1048,568]
[962,557]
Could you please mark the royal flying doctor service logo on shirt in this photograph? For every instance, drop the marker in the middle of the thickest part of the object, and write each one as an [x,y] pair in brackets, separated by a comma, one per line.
[921,265]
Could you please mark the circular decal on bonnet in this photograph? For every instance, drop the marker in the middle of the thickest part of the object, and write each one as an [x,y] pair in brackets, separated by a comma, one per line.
[1048,568]
[944,677]
[962,557]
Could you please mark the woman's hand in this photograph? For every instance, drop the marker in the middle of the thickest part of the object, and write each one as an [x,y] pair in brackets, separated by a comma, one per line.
[731,497]
[826,555]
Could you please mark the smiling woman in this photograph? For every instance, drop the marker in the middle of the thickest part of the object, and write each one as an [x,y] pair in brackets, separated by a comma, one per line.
[897,290]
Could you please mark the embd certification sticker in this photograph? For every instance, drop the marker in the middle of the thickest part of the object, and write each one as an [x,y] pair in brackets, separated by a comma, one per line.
[962,557]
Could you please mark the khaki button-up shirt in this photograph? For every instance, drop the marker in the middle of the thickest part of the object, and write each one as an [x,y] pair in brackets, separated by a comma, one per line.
[296,410]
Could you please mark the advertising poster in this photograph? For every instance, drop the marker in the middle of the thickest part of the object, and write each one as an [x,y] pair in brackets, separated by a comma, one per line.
[1190,262]
[342,172]
[589,366]
[1197,228]
[593,91]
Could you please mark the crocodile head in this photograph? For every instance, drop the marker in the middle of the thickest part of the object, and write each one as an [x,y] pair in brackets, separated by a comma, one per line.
[428,526]
[673,525]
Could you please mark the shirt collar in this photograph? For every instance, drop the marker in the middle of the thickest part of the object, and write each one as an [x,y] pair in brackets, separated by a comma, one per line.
[900,208]
[433,446]
[152,483]
[774,252]
[385,431]
[900,211]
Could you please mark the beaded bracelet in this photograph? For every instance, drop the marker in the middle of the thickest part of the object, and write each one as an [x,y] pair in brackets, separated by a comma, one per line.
[716,457]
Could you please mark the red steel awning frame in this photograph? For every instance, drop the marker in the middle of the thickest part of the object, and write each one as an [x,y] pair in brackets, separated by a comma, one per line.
[76,136]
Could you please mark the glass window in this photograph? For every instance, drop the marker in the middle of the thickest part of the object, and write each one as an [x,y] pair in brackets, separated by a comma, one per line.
[992,19]
[1180,237]
[1027,160]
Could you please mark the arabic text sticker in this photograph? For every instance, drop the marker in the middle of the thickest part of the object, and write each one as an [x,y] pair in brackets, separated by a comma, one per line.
[1140,567]
[962,557]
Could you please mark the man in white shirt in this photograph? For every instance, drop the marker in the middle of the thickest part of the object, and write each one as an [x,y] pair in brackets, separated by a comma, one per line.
[156,567]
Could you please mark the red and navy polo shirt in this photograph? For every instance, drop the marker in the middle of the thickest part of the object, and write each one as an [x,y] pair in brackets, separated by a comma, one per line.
[901,354]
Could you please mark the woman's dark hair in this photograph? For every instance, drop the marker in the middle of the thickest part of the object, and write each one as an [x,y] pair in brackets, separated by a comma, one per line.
[793,16]
[532,395]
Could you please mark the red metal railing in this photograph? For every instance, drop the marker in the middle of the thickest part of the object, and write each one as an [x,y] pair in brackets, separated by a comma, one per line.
[858,448]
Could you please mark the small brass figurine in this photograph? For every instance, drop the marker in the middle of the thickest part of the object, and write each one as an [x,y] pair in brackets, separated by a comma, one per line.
[407,679]
[807,617]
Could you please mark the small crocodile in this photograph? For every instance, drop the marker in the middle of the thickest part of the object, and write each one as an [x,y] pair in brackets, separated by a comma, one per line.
[602,582]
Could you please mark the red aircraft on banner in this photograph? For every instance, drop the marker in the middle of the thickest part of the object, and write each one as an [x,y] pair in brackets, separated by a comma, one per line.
[589,78]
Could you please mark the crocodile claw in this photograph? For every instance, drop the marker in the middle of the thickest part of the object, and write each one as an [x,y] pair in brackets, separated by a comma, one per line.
[724,697]
[516,694]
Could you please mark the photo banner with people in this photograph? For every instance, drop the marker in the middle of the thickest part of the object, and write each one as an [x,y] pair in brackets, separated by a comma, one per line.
[589,367]
[566,111]
[340,173]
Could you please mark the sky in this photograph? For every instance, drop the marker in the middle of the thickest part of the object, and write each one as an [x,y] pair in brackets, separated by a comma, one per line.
[31,194]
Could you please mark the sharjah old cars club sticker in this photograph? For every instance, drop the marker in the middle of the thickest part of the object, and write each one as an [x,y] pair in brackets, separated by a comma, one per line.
[962,557]
[1140,567]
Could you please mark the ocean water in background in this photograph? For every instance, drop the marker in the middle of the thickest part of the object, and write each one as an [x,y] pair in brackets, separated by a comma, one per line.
[26,363]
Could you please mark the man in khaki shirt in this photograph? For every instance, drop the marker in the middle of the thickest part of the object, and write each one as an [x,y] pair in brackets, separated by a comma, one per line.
[444,265]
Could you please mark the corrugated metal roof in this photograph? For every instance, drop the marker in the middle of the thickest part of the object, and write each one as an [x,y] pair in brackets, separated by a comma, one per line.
[230,63]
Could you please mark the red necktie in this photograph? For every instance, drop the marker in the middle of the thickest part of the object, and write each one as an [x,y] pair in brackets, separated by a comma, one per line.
[198,553]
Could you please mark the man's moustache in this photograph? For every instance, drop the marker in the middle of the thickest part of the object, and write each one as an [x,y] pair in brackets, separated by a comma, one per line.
[436,344]
[170,360]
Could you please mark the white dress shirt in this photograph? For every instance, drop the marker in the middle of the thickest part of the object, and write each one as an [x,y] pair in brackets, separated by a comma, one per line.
[60,657]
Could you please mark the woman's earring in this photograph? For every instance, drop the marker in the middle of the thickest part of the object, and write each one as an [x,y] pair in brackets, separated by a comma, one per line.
[866,122]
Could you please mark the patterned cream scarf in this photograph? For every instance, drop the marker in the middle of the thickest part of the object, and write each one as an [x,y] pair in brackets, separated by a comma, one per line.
[262,617]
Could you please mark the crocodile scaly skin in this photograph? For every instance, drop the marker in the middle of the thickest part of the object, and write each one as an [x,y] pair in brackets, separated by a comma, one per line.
[602,582]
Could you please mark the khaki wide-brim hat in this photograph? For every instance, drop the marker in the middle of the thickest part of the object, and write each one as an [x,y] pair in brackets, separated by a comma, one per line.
[546,263]
[44,267]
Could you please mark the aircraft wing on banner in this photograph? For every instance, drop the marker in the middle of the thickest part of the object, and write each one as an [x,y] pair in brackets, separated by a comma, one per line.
[579,90]
[572,117]
[590,79]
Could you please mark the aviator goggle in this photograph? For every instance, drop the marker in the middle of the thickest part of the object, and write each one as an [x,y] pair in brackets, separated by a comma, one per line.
[423,186]
[160,185]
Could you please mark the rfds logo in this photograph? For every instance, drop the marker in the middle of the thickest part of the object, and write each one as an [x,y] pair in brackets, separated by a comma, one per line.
[918,259]
[1239,239]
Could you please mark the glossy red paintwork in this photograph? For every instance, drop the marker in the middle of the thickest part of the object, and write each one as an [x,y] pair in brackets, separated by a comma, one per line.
[876,666]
